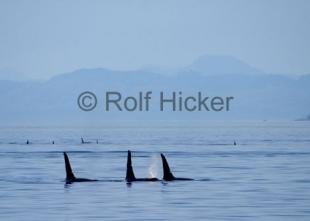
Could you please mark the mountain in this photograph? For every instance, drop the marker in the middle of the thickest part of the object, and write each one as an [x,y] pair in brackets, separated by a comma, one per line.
[54,102]
[222,65]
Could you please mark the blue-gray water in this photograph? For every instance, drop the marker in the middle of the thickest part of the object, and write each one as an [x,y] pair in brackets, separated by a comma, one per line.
[266,176]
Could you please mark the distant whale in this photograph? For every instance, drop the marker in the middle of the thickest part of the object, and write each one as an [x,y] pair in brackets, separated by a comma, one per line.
[130,176]
[84,142]
[70,178]
[168,176]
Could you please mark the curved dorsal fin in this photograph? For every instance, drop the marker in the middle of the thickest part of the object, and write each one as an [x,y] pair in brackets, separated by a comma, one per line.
[168,176]
[130,176]
[69,173]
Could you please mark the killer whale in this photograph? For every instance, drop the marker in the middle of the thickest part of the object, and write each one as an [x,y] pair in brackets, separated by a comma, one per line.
[167,174]
[84,142]
[70,178]
[130,176]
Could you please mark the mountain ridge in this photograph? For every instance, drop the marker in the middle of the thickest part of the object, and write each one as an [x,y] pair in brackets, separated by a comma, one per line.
[256,96]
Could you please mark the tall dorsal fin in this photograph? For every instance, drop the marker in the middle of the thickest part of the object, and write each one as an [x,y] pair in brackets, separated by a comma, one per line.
[168,176]
[69,173]
[130,176]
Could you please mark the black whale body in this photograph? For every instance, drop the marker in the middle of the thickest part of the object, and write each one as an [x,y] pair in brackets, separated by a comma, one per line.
[130,176]
[167,174]
[70,178]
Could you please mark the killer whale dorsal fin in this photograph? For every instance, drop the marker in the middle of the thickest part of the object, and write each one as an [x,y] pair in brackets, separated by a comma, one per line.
[130,176]
[69,173]
[167,175]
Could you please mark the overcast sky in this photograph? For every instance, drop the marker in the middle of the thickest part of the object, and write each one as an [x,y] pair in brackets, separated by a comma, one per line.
[43,38]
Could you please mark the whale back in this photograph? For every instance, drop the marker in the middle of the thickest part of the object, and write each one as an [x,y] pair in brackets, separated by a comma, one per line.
[167,175]
[130,176]
[69,174]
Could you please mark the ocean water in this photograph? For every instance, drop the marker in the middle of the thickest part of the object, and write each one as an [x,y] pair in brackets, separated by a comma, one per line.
[266,176]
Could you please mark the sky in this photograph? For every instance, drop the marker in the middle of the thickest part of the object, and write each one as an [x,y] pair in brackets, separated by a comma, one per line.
[40,39]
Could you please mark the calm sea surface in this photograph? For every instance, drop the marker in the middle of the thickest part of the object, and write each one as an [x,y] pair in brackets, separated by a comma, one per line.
[266,176]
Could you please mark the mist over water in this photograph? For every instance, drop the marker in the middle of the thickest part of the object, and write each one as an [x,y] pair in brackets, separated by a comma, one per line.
[264,177]
[154,166]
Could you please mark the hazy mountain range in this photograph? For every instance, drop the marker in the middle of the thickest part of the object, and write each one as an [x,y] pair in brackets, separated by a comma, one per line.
[257,95]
